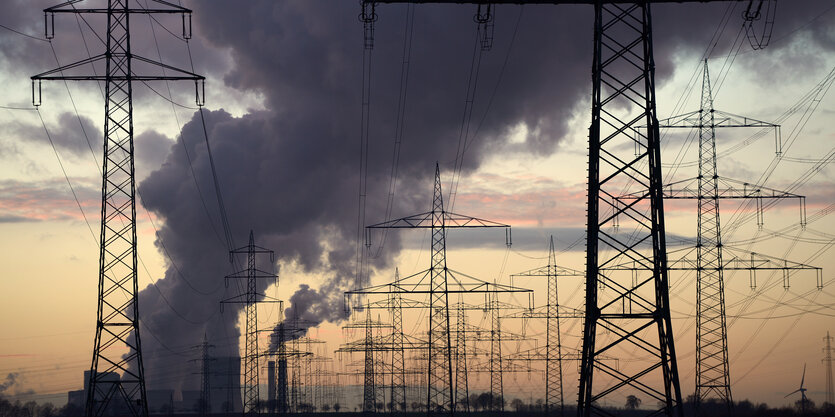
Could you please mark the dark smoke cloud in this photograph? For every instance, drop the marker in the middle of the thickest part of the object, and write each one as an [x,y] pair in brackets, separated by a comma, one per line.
[291,173]
[9,382]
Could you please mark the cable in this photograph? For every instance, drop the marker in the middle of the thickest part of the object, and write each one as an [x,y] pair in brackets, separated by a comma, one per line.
[466,118]
[23,34]
[468,143]
[365,117]
[399,119]
[66,177]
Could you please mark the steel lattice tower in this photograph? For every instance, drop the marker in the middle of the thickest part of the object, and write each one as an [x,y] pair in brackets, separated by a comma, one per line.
[636,313]
[712,373]
[462,389]
[440,382]
[205,406]
[117,376]
[712,368]
[827,361]
[369,396]
[398,364]
[554,394]
[440,358]
[250,299]
[496,387]
[553,357]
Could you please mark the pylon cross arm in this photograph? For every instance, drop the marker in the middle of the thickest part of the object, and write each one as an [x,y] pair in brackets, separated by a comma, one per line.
[68,7]
[425,221]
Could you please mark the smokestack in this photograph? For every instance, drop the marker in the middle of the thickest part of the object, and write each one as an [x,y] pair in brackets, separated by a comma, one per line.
[271,386]
[283,406]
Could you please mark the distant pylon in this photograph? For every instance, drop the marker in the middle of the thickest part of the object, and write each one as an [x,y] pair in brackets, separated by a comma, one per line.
[369,396]
[827,361]
[250,299]
[440,397]
[436,283]
[117,375]
[205,406]
[398,374]
[462,388]
[496,383]
[554,393]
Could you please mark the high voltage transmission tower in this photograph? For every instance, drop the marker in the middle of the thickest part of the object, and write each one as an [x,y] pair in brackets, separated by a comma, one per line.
[117,376]
[398,360]
[205,360]
[369,345]
[636,312]
[554,394]
[827,362]
[250,299]
[396,342]
[712,367]
[438,282]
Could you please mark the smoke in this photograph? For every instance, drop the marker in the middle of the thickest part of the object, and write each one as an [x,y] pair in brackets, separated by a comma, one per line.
[291,172]
[9,382]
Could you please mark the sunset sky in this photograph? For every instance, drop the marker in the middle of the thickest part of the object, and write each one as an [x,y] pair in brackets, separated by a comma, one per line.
[283,115]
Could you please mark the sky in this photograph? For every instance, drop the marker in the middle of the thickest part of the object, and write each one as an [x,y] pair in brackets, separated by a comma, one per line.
[283,116]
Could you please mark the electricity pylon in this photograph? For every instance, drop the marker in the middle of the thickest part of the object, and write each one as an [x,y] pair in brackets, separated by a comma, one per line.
[396,343]
[712,367]
[398,362]
[369,394]
[462,385]
[205,406]
[440,383]
[117,376]
[368,346]
[554,395]
[496,383]
[250,299]
[827,361]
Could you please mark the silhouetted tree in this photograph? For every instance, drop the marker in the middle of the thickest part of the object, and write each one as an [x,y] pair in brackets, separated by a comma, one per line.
[517,405]
[473,398]
[633,402]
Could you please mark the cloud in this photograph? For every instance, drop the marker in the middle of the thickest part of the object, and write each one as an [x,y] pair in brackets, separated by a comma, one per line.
[11,380]
[151,149]
[22,201]
[76,134]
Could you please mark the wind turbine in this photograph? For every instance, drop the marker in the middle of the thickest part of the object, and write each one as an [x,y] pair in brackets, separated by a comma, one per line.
[802,392]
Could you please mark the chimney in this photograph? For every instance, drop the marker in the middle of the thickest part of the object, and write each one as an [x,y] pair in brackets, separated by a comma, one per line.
[271,386]
[283,405]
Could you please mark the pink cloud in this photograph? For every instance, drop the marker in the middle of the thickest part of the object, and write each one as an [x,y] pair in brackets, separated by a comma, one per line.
[47,200]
